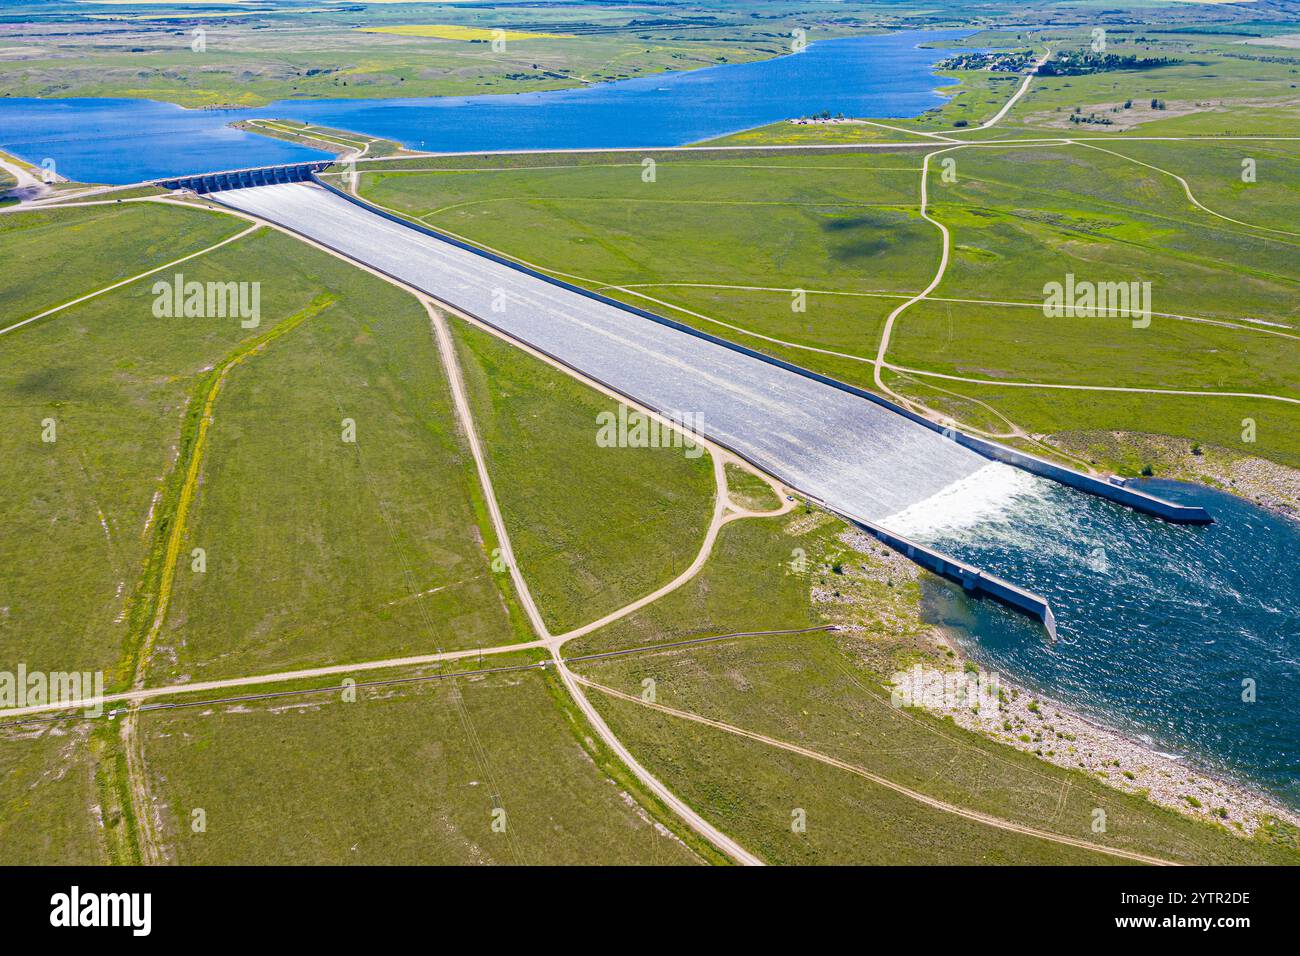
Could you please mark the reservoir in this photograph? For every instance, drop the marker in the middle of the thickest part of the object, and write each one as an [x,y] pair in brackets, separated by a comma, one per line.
[125,140]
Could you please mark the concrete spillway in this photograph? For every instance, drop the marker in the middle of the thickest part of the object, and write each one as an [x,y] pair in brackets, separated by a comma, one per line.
[858,457]
[892,472]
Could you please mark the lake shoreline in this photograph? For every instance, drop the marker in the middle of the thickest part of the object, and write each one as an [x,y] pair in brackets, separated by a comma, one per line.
[878,75]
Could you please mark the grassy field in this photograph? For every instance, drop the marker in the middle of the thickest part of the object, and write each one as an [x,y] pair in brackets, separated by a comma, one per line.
[827,692]
[410,775]
[47,796]
[1019,218]
[750,583]
[770,222]
[55,256]
[753,792]
[395,562]
[114,380]
[593,528]
[747,490]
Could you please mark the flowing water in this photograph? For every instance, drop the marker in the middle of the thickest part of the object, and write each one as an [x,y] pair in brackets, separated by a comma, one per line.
[1159,624]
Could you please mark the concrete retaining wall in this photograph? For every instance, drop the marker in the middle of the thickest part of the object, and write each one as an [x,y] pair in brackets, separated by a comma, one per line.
[968,576]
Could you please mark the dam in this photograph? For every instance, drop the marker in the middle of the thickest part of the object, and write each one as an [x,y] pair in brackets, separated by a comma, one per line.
[1160,612]
[851,451]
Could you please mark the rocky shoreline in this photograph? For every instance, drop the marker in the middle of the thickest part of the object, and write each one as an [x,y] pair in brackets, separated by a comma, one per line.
[1051,731]
[1040,725]
[1258,480]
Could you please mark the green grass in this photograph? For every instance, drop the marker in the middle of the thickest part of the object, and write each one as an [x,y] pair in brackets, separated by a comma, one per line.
[1214,171]
[1214,421]
[343,551]
[406,775]
[784,222]
[115,379]
[593,528]
[804,690]
[54,256]
[47,795]
[1019,218]
[747,584]
[752,791]
[747,490]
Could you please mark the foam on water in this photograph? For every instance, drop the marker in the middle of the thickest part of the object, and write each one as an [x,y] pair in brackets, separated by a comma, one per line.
[990,495]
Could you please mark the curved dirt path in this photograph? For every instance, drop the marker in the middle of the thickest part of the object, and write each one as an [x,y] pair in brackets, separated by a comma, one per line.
[1187,189]
[721,515]
[973,815]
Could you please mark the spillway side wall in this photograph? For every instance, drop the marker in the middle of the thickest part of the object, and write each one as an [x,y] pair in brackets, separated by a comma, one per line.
[1136,500]
[968,576]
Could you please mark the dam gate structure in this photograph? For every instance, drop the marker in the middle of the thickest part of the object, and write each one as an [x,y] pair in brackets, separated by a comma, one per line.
[204,183]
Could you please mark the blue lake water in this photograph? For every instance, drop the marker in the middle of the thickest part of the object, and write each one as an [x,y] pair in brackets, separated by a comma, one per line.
[1159,624]
[124,140]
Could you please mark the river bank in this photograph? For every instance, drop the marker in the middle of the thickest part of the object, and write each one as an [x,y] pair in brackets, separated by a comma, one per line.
[1025,719]
[1258,480]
